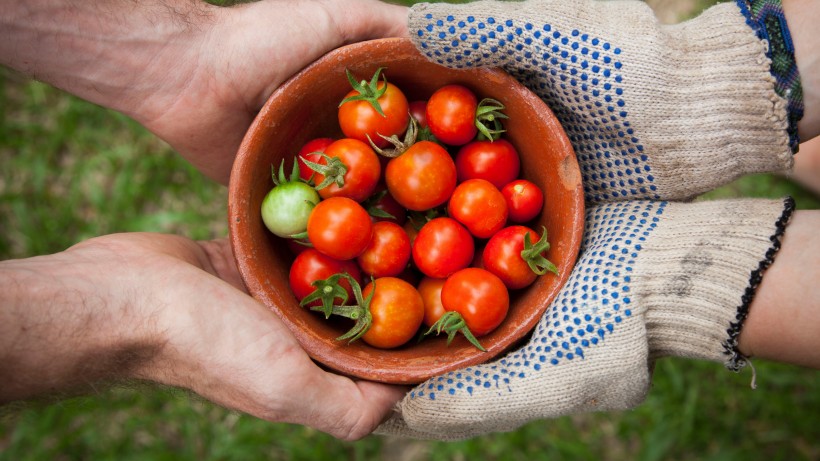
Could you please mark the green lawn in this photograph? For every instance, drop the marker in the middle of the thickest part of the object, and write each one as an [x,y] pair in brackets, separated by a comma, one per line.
[70,170]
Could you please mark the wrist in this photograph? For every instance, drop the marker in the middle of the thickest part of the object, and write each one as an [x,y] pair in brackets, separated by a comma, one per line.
[703,273]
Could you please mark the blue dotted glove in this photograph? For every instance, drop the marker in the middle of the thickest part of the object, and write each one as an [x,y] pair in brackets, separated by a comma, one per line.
[654,112]
[654,279]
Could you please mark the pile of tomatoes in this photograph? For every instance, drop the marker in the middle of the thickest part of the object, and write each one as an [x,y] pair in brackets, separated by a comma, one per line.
[439,238]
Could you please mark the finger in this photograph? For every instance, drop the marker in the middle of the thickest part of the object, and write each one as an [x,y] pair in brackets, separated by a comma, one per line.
[347,409]
[367,19]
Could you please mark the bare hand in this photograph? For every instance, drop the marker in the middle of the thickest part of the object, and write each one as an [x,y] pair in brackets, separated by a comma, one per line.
[170,310]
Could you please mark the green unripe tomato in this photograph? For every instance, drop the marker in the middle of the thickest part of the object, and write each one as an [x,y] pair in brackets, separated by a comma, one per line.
[286,208]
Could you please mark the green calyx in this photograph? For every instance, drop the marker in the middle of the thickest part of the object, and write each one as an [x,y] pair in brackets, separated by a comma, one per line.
[329,290]
[533,254]
[333,170]
[488,118]
[425,134]
[279,177]
[452,323]
[368,91]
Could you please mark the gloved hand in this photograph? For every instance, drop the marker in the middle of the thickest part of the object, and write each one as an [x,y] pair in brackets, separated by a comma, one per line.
[653,111]
[654,279]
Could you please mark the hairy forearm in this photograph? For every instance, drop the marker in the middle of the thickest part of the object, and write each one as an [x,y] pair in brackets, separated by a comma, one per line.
[112,52]
[61,331]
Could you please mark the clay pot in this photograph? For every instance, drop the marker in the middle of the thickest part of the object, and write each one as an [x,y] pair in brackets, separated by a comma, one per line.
[305,108]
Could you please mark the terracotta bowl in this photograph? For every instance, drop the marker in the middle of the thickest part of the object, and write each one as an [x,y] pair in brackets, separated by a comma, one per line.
[305,108]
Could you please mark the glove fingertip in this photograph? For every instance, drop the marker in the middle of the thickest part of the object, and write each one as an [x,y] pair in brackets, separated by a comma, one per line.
[452,36]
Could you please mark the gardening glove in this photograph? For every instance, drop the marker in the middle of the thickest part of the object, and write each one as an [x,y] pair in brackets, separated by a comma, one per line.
[653,111]
[654,279]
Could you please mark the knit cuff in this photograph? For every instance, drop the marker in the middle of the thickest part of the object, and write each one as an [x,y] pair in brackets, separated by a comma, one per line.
[701,274]
[766,18]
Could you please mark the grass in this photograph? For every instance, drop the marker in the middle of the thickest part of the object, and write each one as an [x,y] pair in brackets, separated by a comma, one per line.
[70,170]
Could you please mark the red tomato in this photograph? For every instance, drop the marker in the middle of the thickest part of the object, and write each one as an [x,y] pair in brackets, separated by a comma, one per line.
[311,151]
[340,228]
[451,112]
[418,110]
[311,265]
[442,247]
[479,296]
[502,256]
[430,290]
[421,178]
[363,170]
[359,119]
[397,310]
[524,200]
[479,206]
[496,161]
[388,252]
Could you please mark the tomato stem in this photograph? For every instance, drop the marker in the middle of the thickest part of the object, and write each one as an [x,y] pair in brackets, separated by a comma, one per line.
[489,113]
[359,312]
[399,147]
[533,254]
[333,170]
[451,322]
[327,290]
[280,178]
[369,92]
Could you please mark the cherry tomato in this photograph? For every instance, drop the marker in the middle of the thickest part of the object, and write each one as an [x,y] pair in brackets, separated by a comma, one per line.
[478,205]
[451,113]
[362,170]
[524,200]
[311,265]
[496,161]
[479,296]
[340,228]
[388,252]
[359,119]
[397,310]
[286,208]
[421,178]
[442,247]
[430,290]
[502,256]
[418,110]
[311,151]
